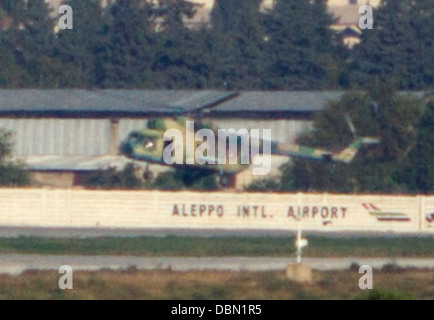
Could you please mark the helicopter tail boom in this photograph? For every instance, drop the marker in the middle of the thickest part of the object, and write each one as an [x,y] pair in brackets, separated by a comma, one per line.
[348,154]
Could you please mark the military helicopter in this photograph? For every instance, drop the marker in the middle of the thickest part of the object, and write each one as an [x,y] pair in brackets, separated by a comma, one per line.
[159,144]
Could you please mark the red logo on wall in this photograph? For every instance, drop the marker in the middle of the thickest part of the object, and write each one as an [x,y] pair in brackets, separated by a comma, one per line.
[386,215]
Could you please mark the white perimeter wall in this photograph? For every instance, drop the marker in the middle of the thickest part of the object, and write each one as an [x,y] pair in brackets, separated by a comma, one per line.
[230,211]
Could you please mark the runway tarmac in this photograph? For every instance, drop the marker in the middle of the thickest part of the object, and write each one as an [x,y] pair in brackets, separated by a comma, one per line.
[15,264]
[15,232]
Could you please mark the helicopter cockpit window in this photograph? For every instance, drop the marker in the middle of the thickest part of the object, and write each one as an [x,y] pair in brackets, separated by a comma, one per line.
[139,139]
[135,138]
[150,143]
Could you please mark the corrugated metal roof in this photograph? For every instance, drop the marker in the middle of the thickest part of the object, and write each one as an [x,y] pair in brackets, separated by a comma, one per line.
[145,103]
[107,102]
[278,101]
[274,103]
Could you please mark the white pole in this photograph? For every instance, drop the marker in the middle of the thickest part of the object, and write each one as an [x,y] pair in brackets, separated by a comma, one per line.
[299,242]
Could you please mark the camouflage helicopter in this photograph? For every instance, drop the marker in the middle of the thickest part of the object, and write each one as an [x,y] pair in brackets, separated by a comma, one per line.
[162,142]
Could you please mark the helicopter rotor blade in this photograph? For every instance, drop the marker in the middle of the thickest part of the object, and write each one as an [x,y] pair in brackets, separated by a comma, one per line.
[351,125]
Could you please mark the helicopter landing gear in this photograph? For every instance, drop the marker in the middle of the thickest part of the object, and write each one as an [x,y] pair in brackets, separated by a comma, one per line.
[148,175]
[225,180]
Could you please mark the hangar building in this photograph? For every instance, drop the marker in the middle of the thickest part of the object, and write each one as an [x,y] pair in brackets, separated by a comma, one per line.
[64,134]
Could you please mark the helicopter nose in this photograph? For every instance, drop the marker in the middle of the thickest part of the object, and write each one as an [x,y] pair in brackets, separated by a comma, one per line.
[126,149]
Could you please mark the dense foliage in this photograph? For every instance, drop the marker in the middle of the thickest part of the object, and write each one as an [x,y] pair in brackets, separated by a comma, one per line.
[131,44]
[11,173]
[401,163]
[399,46]
[112,179]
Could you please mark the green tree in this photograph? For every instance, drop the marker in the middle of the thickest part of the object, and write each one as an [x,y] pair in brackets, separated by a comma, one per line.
[78,49]
[27,45]
[110,179]
[11,173]
[186,179]
[12,74]
[6,6]
[419,169]
[32,40]
[124,57]
[382,294]
[399,46]
[11,7]
[181,57]
[238,36]
[271,184]
[168,15]
[300,44]
[391,117]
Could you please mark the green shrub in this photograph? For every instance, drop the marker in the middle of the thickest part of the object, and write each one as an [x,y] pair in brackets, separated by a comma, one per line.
[186,179]
[110,179]
[380,294]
